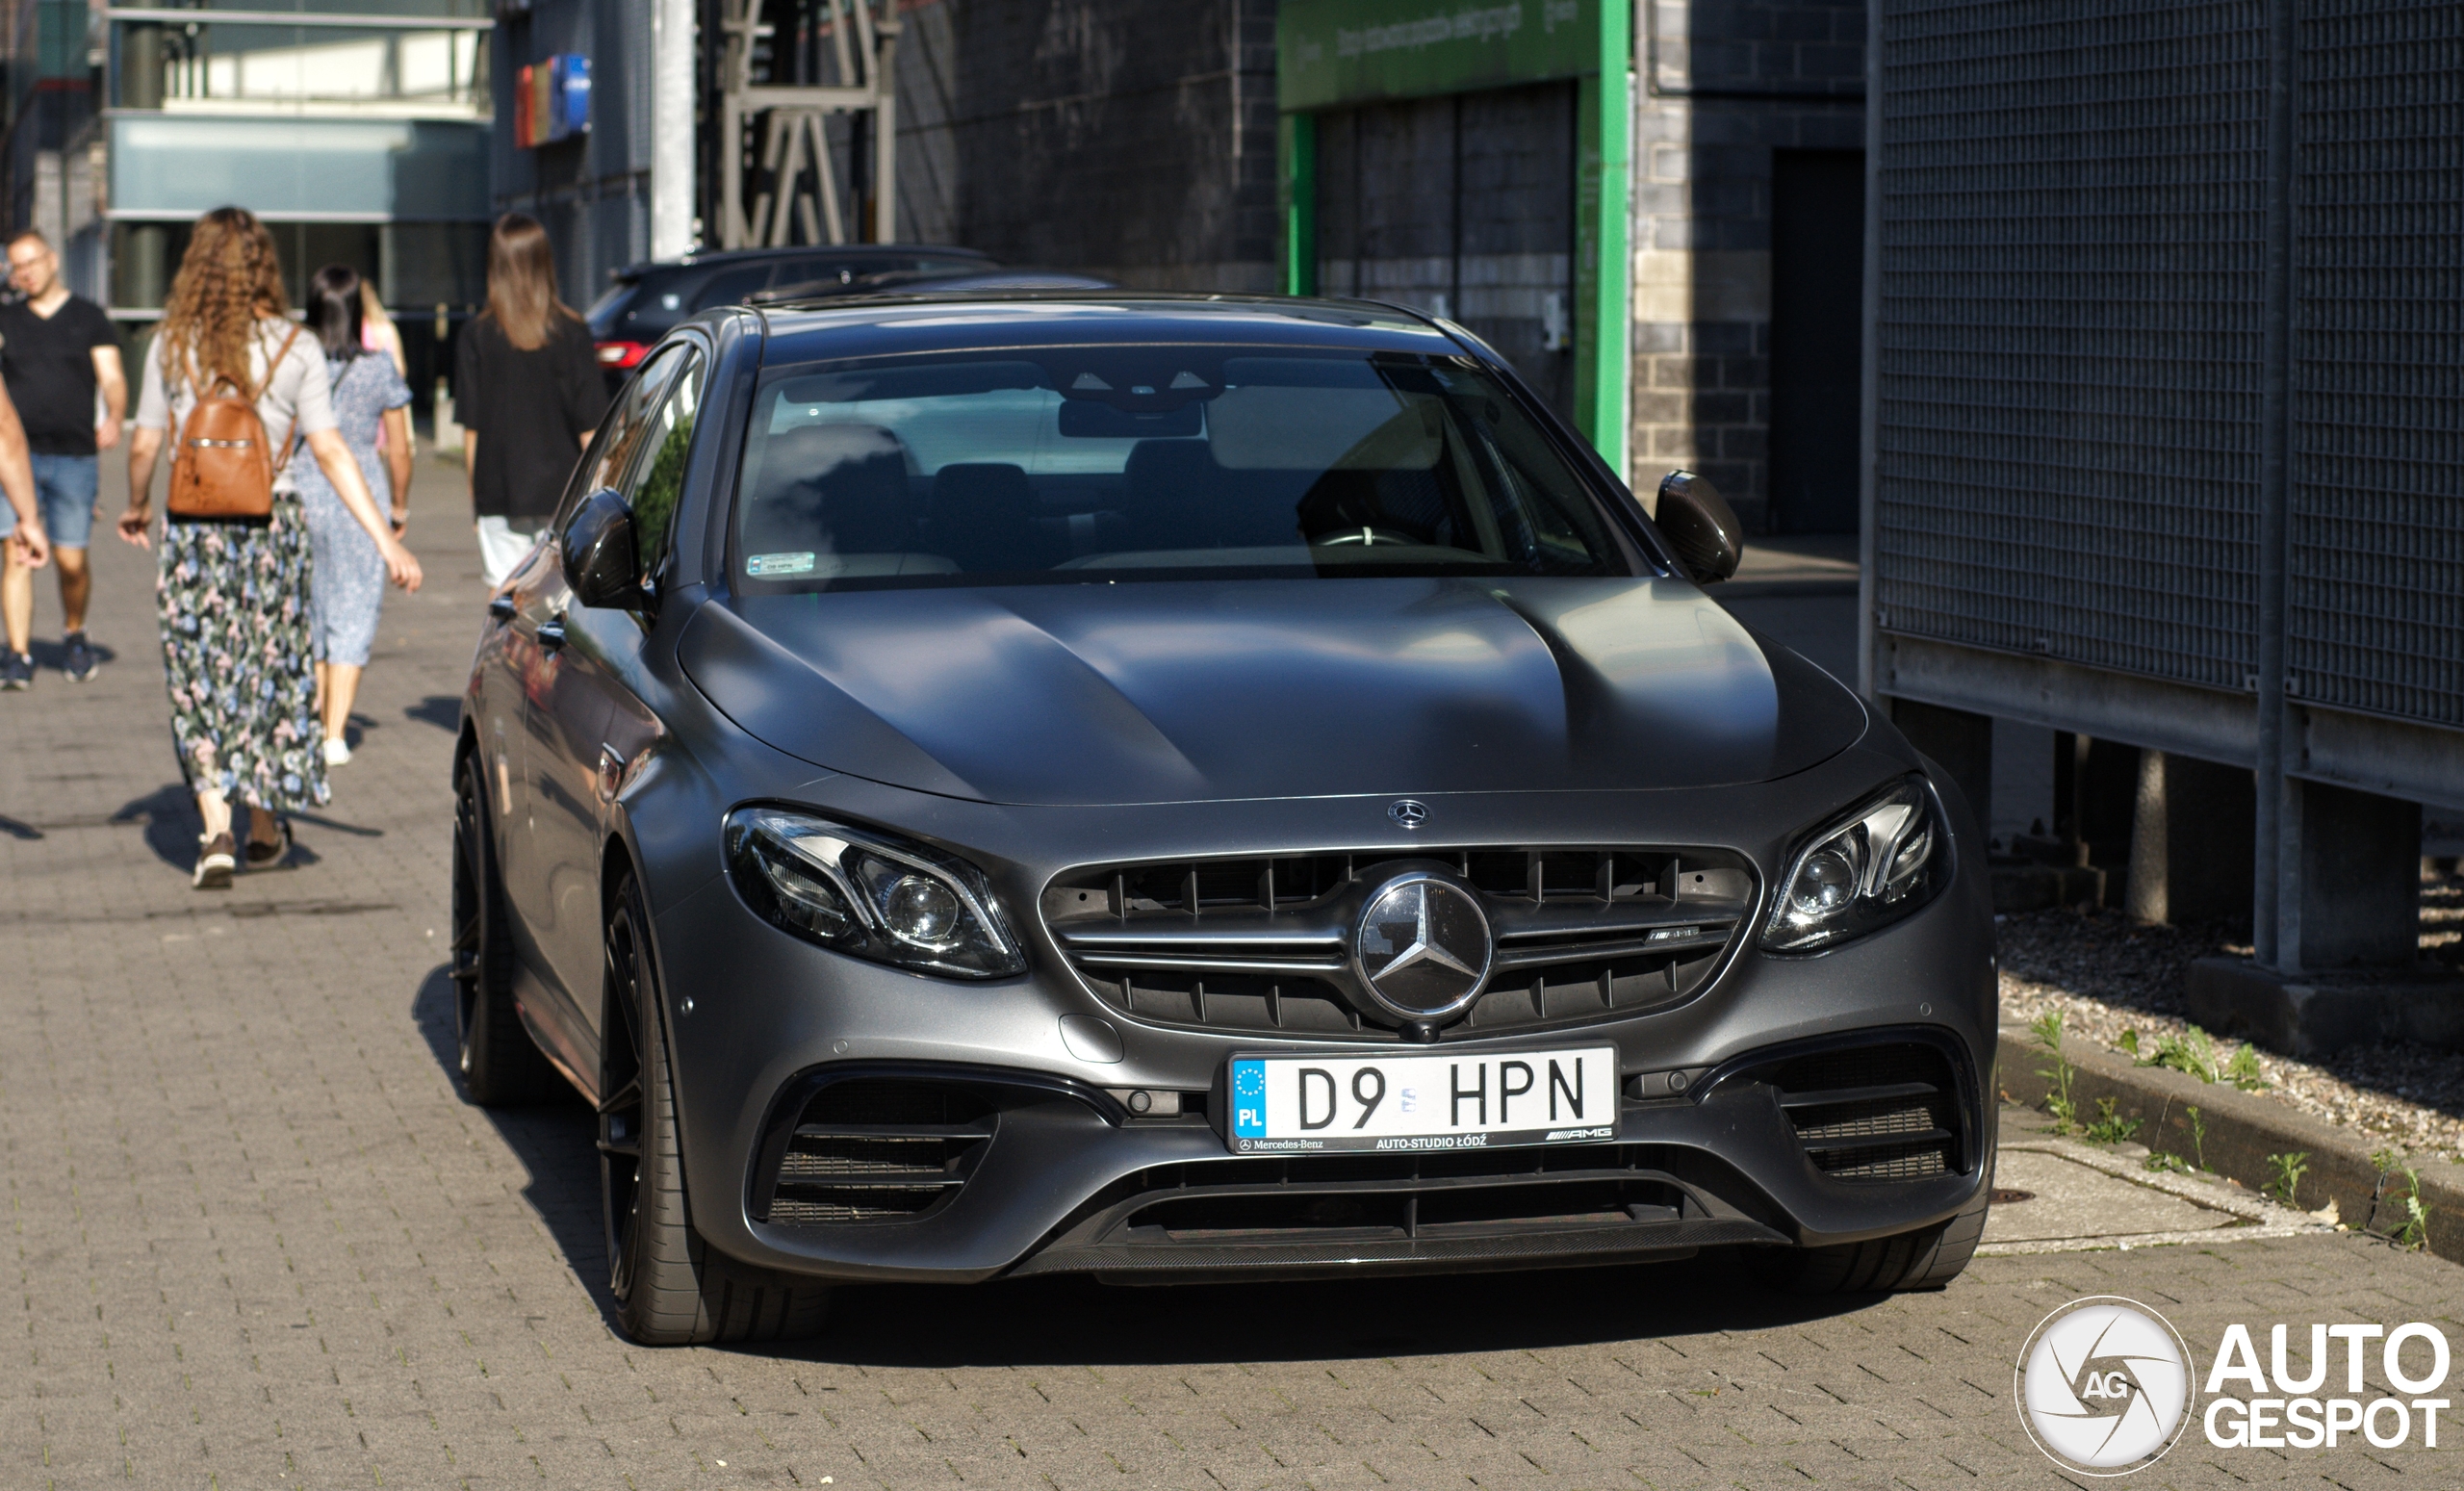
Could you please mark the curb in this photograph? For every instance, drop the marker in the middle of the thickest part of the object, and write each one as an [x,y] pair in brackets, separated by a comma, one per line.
[2242,1129]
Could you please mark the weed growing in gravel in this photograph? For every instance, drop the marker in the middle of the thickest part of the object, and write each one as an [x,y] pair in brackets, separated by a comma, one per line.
[2170,1164]
[2194,1051]
[2243,1070]
[2289,1169]
[2198,1135]
[2058,1102]
[2107,1129]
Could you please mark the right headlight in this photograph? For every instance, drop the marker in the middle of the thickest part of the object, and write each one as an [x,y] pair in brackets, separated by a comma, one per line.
[1871,869]
[869,896]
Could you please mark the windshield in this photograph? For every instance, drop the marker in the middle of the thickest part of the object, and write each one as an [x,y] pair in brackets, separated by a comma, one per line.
[1076,464]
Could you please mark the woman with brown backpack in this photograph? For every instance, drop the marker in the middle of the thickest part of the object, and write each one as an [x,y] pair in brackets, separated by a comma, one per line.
[241,383]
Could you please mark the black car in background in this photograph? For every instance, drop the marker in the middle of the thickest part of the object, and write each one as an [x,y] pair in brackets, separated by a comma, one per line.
[1189,787]
[643,301]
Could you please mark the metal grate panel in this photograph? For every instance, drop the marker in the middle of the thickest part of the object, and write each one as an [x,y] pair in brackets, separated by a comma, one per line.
[2072,203]
[2376,573]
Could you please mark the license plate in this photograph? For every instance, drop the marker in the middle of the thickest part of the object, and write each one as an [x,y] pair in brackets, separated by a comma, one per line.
[1305,1104]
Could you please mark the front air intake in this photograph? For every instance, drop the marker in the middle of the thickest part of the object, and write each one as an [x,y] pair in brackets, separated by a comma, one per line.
[878,1149]
[1876,1112]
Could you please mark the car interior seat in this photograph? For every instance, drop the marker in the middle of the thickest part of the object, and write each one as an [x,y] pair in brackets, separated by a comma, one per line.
[832,489]
[982,517]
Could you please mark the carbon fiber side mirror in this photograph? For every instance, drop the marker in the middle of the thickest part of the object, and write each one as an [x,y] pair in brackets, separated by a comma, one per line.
[1701,526]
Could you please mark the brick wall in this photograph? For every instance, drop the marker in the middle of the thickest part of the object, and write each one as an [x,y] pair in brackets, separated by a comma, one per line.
[1723,87]
[1133,138]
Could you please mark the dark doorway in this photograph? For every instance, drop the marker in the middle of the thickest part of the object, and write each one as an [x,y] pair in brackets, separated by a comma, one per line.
[1817,318]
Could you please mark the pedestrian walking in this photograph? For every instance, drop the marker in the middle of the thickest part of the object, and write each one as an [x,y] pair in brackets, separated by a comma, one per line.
[23,544]
[58,351]
[372,409]
[376,330]
[529,391]
[227,369]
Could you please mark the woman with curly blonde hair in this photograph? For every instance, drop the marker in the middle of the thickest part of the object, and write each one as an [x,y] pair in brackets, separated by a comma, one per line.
[233,592]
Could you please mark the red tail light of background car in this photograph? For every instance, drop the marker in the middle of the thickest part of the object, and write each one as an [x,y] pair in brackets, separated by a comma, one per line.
[621,355]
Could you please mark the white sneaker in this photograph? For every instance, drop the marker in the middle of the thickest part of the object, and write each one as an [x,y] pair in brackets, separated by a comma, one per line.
[337,753]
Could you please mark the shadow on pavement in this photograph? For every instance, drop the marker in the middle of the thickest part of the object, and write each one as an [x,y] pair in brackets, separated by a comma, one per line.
[169,813]
[557,1140]
[1078,1321]
[442,710]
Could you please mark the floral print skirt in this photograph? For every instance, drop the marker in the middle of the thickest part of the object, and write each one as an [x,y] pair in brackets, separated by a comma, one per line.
[234,604]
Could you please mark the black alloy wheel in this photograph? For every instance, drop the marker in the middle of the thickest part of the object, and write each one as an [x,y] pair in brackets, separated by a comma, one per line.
[499,1064]
[671,1288]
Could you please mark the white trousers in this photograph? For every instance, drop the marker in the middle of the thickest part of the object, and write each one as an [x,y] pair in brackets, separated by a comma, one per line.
[502,549]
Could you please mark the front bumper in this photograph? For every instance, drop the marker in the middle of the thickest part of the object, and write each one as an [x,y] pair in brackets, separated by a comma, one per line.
[1067,1180]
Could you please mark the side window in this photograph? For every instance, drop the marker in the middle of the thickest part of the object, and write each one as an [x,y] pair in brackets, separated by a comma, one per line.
[657,483]
[620,435]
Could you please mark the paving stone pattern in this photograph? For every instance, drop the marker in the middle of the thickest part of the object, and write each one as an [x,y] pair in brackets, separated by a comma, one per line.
[258,1239]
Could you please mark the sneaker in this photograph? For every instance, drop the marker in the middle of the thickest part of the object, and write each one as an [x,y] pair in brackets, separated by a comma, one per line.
[337,753]
[81,663]
[16,670]
[214,862]
[264,854]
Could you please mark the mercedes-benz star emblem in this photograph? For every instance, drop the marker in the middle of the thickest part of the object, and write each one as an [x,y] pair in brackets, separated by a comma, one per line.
[1422,948]
[1409,813]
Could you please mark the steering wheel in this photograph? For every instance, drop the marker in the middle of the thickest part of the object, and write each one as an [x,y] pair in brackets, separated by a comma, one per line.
[1362,537]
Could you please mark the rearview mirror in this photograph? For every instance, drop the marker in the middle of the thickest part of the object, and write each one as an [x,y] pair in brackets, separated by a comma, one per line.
[601,566]
[1700,527]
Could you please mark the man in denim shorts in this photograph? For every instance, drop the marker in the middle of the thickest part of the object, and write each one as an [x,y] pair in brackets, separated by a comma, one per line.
[56,350]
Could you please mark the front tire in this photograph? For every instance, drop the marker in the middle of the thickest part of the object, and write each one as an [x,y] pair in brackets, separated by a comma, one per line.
[1927,1258]
[500,1065]
[671,1288]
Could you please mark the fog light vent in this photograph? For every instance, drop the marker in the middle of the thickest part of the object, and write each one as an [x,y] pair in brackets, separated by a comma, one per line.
[879,1150]
[1881,1113]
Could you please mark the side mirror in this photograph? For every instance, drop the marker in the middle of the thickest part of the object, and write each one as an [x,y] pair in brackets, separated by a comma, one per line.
[601,566]
[1700,526]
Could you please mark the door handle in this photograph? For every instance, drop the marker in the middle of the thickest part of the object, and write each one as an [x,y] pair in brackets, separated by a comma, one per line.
[552,634]
[501,607]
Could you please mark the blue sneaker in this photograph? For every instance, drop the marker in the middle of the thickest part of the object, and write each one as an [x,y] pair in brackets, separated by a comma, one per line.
[16,671]
[81,665]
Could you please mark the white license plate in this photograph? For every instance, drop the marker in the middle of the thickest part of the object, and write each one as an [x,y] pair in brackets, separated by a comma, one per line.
[1304,1104]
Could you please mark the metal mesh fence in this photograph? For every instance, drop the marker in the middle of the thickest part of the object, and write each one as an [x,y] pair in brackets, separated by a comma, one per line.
[2376,573]
[2073,198]
[2070,348]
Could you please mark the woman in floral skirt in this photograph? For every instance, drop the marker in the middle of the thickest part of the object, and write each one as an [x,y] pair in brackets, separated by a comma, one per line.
[233,594]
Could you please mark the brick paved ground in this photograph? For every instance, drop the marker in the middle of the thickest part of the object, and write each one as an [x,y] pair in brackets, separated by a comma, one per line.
[260,1241]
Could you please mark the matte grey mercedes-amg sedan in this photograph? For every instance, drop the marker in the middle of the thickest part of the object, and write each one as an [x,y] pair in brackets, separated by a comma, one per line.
[1181,788]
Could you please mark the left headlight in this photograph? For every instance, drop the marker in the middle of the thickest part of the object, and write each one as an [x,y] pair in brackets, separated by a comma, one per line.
[869,896]
[1866,871]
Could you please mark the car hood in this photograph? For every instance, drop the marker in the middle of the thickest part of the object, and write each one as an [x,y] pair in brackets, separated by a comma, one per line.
[1187,691]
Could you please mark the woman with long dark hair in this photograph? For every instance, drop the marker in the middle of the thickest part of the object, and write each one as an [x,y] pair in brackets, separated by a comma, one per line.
[233,589]
[371,400]
[527,389]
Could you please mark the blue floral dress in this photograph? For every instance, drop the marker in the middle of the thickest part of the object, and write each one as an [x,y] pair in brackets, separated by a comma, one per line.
[232,599]
[350,574]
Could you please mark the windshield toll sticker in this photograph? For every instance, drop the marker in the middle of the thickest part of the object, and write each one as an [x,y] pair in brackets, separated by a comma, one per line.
[763,565]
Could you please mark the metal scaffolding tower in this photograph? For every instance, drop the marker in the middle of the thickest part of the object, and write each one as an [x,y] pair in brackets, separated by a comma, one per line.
[773,133]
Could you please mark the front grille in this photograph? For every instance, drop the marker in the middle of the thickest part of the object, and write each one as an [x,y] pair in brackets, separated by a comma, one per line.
[1262,944]
[1878,1112]
[878,1149]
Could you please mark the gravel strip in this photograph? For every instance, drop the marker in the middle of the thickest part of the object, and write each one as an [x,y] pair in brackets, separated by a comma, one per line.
[2105,974]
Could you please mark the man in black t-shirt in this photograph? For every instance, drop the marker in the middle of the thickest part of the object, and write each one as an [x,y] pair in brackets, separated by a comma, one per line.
[57,351]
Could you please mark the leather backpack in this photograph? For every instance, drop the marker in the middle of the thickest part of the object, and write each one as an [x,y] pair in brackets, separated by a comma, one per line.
[224,467]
